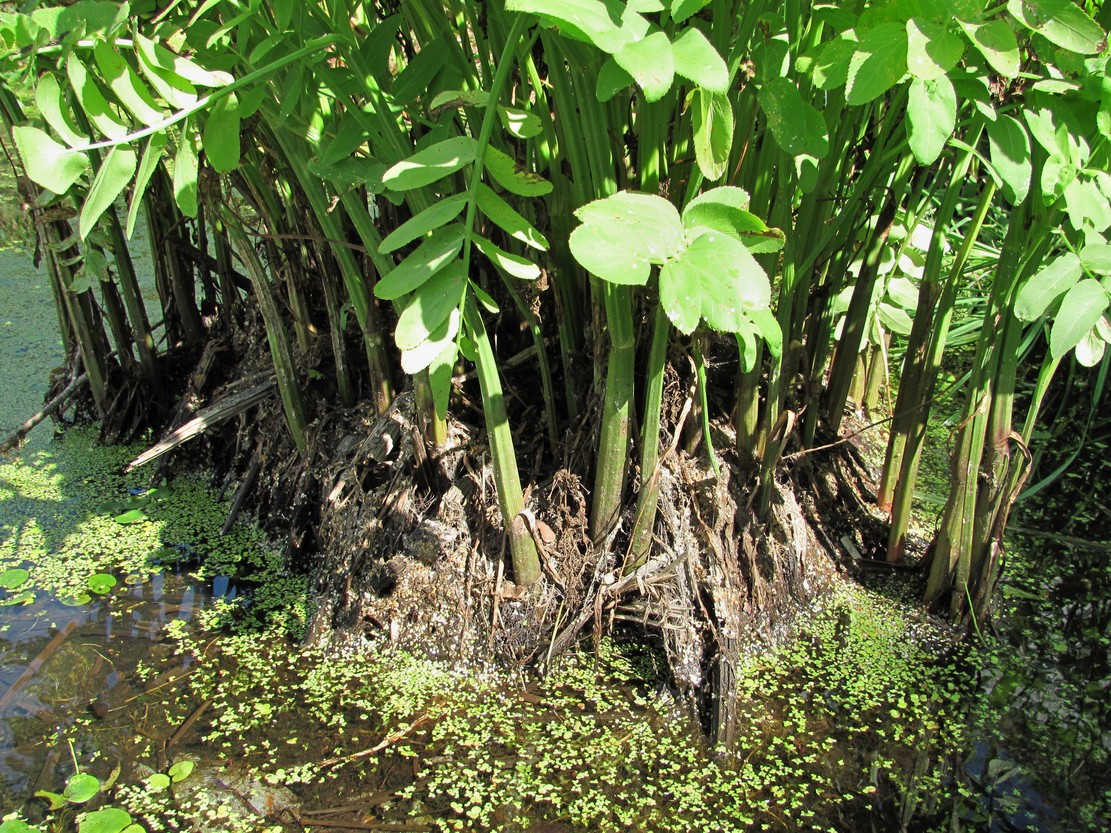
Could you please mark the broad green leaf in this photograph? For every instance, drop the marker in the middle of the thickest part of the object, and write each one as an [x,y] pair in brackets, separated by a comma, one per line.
[612,79]
[932,50]
[647,225]
[181,770]
[351,134]
[220,138]
[697,60]
[105,820]
[177,91]
[505,217]
[830,68]
[1061,22]
[1090,349]
[17,826]
[431,164]
[894,318]
[430,307]
[608,24]
[128,88]
[511,264]
[454,99]
[81,787]
[157,782]
[1082,307]
[421,356]
[726,195]
[720,209]
[1045,287]
[132,516]
[56,800]
[53,107]
[768,326]
[512,177]
[712,122]
[1010,156]
[430,257]
[520,123]
[185,174]
[1096,257]
[997,44]
[746,346]
[716,279]
[92,100]
[101,583]
[682,9]
[151,156]
[798,127]
[931,117]
[877,64]
[903,292]
[417,76]
[158,56]
[599,250]
[352,172]
[115,173]
[13,578]
[651,63]
[1086,205]
[428,220]
[49,163]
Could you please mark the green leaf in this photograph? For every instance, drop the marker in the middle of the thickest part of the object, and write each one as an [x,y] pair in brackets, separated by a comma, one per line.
[158,56]
[768,326]
[622,235]
[712,122]
[430,306]
[13,578]
[1095,257]
[997,44]
[114,174]
[157,782]
[151,156]
[132,516]
[1082,307]
[1009,144]
[878,63]
[932,50]
[612,79]
[220,138]
[350,135]
[505,217]
[17,826]
[894,318]
[651,63]
[52,105]
[92,100]
[105,820]
[431,164]
[682,9]
[57,801]
[520,123]
[181,770]
[798,127]
[425,353]
[1086,205]
[696,59]
[599,250]
[722,209]
[1090,349]
[49,163]
[511,264]
[430,257]
[428,220]
[1042,289]
[24,597]
[831,63]
[440,371]
[455,99]
[128,88]
[512,177]
[185,174]
[608,24]
[177,91]
[101,583]
[81,787]
[1061,22]
[75,601]
[931,117]
[716,279]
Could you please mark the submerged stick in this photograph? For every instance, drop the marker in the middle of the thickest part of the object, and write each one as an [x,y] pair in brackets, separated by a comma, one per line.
[33,667]
[58,403]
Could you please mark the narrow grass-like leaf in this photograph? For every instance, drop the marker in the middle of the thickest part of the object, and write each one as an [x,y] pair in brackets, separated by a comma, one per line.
[185,173]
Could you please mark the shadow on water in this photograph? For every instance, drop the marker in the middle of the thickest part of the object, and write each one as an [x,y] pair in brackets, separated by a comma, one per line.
[59,663]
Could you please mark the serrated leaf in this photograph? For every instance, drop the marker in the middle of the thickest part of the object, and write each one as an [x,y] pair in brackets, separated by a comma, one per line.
[431,306]
[997,43]
[1061,22]
[52,105]
[513,178]
[431,164]
[878,63]
[716,279]
[520,123]
[599,251]
[1045,287]
[639,227]
[115,173]
[612,79]
[505,217]
[1081,309]
[511,264]
[608,24]
[429,258]
[797,126]
[831,63]
[721,209]
[428,220]
[220,138]
[651,63]
[49,163]
[696,59]
[125,83]
[712,122]
[932,50]
[1009,144]
[185,174]
[931,117]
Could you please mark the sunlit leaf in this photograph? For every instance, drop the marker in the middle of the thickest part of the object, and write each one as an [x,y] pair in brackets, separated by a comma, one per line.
[428,220]
[696,59]
[430,306]
[712,122]
[81,787]
[49,163]
[1081,308]
[877,64]
[431,164]
[1061,22]
[220,138]
[997,43]
[932,50]
[505,217]
[431,256]
[13,577]
[1046,286]
[115,173]
[931,117]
